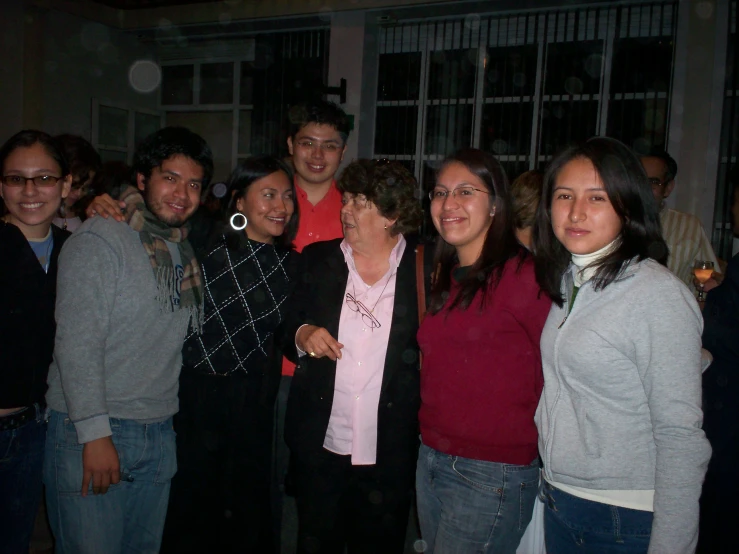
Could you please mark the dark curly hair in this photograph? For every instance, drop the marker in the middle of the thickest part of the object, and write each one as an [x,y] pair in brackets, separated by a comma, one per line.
[320,112]
[389,186]
[172,141]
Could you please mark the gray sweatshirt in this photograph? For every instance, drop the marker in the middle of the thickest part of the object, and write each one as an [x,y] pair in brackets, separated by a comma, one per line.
[621,406]
[116,353]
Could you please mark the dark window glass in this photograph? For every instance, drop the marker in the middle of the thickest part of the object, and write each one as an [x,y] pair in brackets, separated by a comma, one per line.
[510,71]
[641,65]
[399,76]
[506,128]
[216,83]
[177,84]
[730,127]
[641,124]
[564,123]
[573,67]
[113,126]
[514,168]
[395,130]
[452,73]
[144,125]
[448,128]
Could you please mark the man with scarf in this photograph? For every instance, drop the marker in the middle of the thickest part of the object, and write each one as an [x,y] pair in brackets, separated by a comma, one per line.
[126,296]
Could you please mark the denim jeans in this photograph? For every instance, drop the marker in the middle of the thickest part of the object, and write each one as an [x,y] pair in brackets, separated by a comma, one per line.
[130,516]
[21,460]
[576,524]
[467,506]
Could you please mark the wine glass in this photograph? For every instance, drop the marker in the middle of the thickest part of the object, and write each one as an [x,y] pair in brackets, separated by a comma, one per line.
[702,269]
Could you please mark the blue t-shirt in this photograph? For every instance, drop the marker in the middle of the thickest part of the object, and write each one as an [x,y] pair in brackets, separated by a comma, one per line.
[43,248]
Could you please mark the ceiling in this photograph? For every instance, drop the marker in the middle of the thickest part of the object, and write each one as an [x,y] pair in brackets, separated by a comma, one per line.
[143,4]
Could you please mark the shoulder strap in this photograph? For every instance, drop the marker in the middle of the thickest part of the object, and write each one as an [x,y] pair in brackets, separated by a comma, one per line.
[420,285]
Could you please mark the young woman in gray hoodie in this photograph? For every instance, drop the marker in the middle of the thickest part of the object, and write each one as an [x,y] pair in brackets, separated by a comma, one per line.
[620,416]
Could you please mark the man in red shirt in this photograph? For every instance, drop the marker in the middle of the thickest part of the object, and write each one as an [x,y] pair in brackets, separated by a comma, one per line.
[317,142]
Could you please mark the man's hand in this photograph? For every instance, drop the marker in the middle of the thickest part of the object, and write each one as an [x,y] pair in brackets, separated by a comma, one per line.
[101,465]
[317,342]
[105,206]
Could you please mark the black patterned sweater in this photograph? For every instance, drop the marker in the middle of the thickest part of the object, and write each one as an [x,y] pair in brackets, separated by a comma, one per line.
[246,287]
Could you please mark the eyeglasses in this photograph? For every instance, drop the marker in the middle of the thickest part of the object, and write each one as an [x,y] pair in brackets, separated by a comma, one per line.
[367,317]
[38,180]
[440,194]
[325,146]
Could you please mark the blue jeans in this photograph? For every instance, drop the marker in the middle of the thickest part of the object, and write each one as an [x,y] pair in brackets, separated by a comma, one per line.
[21,460]
[469,505]
[576,524]
[130,516]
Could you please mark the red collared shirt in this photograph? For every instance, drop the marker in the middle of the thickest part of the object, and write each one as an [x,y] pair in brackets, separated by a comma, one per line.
[317,223]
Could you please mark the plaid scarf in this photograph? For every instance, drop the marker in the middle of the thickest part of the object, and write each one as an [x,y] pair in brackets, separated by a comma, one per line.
[153,233]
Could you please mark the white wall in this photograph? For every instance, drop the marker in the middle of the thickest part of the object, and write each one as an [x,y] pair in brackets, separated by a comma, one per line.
[85,60]
[346,52]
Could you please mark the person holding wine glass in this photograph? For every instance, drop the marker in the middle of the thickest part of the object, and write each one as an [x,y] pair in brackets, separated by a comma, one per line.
[703,270]
[620,417]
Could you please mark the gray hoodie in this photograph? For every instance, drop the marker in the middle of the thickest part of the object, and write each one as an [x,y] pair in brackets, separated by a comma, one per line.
[621,407]
[117,354]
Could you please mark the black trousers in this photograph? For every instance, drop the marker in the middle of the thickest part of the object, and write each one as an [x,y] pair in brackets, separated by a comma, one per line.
[220,496]
[340,505]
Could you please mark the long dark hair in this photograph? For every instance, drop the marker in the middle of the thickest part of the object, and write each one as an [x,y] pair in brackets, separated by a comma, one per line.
[500,241]
[244,175]
[630,195]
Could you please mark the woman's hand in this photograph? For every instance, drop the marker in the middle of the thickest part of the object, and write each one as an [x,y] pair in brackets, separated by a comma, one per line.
[105,206]
[317,342]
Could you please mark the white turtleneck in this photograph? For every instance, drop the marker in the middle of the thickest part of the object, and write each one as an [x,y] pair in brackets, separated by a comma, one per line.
[585,263]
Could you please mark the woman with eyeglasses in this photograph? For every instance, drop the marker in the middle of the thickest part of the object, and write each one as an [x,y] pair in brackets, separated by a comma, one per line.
[351,421]
[84,164]
[35,180]
[620,416]
[478,466]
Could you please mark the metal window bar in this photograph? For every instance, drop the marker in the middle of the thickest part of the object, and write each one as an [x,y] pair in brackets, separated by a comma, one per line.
[502,81]
[728,174]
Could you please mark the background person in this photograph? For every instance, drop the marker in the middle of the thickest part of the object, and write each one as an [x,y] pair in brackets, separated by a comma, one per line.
[525,196]
[685,237]
[35,179]
[84,164]
[352,424]
[620,417]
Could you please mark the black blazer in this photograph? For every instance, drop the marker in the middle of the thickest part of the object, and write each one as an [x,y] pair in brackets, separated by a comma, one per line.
[721,379]
[318,300]
[27,325]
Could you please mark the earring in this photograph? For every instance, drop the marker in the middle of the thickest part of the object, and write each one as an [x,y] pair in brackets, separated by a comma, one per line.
[492,213]
[385,226]
[233,223]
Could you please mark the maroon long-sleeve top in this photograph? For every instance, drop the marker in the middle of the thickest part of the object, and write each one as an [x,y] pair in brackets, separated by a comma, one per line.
[481,377]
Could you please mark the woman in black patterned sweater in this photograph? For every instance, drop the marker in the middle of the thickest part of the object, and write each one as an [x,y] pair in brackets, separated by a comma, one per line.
[220,500]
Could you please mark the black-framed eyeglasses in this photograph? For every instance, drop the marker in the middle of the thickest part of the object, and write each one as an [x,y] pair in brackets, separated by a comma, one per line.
[38,180]
[463,192]
[367,317]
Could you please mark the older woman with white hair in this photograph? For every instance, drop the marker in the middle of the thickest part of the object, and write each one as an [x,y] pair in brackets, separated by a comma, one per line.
[352,415]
